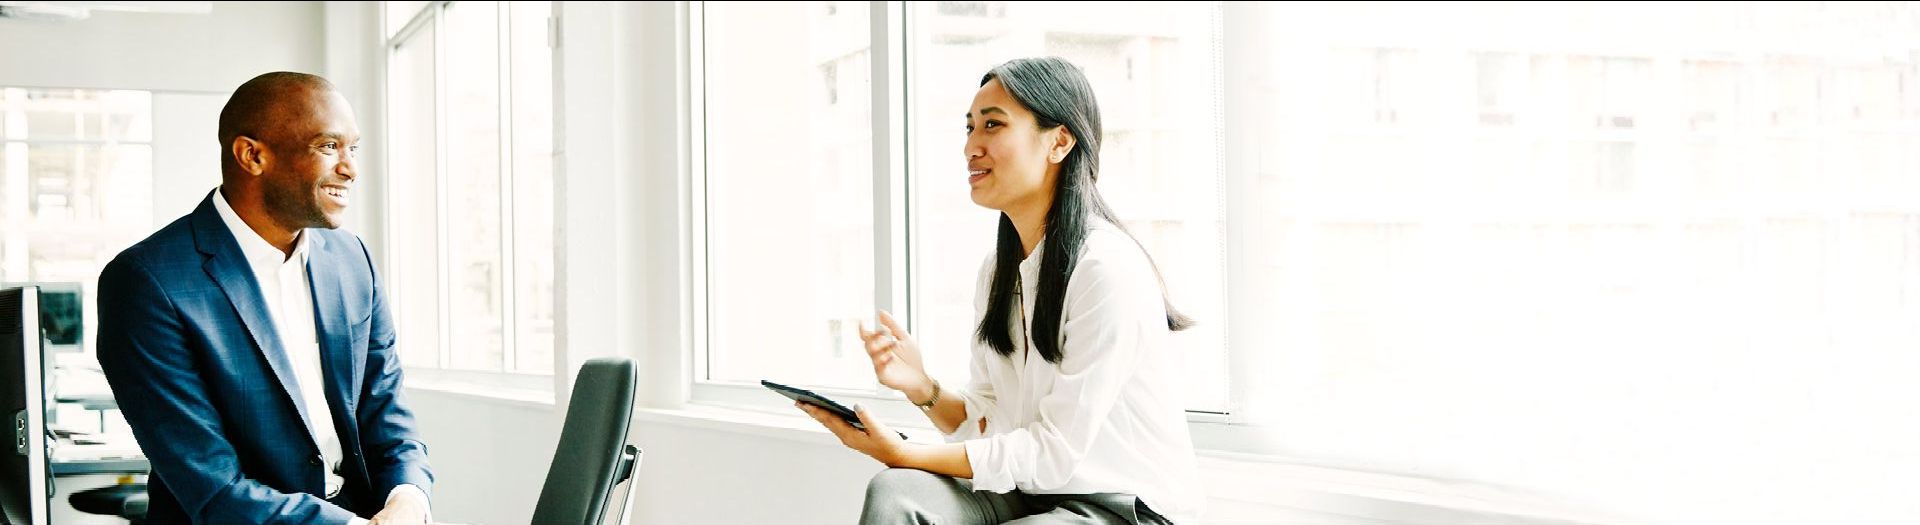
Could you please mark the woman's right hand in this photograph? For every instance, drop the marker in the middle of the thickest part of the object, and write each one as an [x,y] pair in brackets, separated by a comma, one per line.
[896,357]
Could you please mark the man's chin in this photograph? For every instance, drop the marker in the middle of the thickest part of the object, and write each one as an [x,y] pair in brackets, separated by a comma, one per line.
[328,221]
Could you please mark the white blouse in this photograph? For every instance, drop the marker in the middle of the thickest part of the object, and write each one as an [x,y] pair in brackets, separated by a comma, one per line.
[1108,418]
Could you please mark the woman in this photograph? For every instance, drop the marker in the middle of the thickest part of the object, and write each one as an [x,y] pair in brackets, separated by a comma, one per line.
[1070,416]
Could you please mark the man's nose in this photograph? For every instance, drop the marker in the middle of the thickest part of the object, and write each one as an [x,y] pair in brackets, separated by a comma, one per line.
[349,165]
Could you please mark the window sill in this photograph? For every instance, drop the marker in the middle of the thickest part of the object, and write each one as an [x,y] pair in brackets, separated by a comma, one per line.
[526,389]
[1241,487]
[525,397]
[795,427]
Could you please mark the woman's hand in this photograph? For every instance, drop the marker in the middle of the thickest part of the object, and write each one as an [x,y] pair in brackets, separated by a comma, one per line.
[877,441]
[896,358]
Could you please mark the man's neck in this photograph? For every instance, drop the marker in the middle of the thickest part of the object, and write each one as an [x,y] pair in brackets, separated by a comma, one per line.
[254,212]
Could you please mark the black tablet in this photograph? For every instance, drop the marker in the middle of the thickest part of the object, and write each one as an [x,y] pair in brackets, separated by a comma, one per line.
[808,397]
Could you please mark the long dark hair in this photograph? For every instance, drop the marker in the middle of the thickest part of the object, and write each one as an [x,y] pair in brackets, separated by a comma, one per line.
[1058,95]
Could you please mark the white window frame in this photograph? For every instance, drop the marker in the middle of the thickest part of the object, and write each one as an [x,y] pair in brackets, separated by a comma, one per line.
[890,191]
[1227,431]
[507,382]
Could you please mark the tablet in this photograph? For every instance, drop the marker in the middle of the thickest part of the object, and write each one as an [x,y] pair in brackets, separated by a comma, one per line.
[808,397]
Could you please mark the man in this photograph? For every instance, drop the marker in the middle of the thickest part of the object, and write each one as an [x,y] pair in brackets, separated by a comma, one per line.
[249,344]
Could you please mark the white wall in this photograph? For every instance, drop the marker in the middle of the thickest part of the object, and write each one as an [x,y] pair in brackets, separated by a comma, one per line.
[489,457]
[186,147]
[210,53]
[693,475]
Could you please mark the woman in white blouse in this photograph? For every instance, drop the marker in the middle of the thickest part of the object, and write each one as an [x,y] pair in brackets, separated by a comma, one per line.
[1071,414]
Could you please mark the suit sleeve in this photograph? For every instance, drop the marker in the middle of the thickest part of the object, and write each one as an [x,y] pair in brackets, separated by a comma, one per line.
[151,370]
[395,454]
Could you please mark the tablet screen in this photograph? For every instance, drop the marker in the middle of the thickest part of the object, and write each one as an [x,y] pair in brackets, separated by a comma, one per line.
[808,397]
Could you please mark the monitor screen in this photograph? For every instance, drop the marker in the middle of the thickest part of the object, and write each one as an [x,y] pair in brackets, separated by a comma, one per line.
[23,452]
[61,307]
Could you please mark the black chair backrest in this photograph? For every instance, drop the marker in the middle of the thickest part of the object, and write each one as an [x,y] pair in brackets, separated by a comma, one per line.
[588,462]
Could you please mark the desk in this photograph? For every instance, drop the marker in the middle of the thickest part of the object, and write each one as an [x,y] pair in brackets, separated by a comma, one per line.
[73,467]
[68,458]
[90,402]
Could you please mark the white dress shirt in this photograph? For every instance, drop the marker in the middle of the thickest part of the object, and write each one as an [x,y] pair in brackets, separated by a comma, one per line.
[1108,418]
[289,299]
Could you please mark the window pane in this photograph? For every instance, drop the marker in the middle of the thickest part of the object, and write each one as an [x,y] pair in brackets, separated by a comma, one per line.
[1589,258]
[789,181]
[413,202]
[76,181]
[8,221]
[13,121]
[473,245]
[13,232]
[1152,69]
[81,114]
[84,204]
[399,13]
[532,185]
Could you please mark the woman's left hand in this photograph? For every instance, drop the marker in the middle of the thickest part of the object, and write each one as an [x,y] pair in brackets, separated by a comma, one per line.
[877,441]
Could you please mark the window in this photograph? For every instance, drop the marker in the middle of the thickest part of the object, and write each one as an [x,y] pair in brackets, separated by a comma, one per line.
[790,191]
[470,202]
[1500,242]
[76,181]
[1715,92]
[1637,266]
[1153,66]
[790,181]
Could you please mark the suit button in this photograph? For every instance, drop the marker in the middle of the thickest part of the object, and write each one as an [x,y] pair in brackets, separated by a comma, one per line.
[315,461]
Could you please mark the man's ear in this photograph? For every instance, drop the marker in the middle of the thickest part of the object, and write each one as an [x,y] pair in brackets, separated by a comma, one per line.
[251,155]
[1063,143]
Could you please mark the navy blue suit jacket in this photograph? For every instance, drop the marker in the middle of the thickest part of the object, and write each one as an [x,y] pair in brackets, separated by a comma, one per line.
[195,362]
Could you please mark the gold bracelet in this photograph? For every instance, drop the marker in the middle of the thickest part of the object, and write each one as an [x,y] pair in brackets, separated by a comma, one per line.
[927,406]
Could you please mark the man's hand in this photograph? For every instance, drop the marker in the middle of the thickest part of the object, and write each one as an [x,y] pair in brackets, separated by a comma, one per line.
[404,507]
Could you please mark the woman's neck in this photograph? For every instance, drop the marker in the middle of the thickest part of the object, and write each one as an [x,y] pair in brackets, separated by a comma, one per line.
[1032,225]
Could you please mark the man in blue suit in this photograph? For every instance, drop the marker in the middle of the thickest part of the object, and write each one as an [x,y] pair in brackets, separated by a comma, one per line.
[249,343]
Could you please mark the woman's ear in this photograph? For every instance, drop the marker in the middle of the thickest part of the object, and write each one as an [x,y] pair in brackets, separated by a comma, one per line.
[1063,142]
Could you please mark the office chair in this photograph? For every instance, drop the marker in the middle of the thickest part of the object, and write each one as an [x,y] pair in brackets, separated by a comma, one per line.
[126,500]
[593,455]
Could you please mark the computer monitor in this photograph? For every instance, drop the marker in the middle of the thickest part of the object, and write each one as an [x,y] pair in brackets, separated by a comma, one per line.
[61,305]
[23,457]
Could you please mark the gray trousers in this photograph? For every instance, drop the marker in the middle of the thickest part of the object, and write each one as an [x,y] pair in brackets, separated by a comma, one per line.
[916,497]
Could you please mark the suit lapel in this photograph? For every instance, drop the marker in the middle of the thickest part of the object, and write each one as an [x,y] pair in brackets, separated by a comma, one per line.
[340,366]
[229,269]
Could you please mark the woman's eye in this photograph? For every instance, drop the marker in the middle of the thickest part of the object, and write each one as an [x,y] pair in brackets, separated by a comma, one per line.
[993,124]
